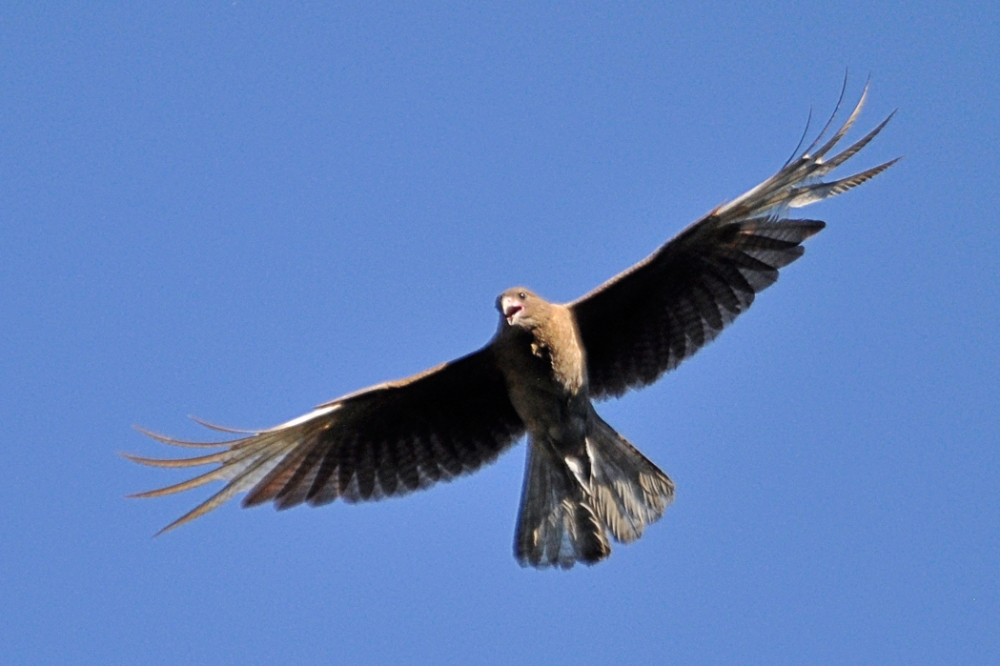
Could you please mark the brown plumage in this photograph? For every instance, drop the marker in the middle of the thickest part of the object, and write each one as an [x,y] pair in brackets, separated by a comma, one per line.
[537,376]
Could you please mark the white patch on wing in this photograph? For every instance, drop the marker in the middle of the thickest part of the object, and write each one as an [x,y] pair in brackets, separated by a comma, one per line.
[316,413]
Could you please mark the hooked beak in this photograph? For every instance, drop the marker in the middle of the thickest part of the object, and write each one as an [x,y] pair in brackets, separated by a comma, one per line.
[510,309]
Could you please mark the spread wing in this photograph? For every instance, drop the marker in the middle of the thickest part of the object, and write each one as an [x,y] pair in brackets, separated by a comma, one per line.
[386,440]
[648,319]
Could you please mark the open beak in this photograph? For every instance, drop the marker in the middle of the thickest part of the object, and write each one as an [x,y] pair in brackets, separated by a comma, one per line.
[511,309]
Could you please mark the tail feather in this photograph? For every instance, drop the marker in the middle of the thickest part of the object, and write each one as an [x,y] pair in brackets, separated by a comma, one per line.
[628,491]
[566,514]
[556,525]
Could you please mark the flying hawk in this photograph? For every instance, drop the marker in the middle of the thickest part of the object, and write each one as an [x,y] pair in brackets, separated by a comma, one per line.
[539,376]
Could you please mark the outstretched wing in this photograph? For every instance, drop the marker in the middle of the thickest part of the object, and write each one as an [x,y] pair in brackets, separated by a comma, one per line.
[386,440]
[651,317]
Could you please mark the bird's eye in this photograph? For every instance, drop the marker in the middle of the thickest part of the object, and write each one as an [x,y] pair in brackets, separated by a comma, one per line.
[521,295]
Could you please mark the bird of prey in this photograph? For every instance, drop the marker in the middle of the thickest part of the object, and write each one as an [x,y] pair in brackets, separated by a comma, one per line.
[539,376]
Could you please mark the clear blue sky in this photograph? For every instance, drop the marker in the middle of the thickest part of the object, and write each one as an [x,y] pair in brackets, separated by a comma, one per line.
[239,210]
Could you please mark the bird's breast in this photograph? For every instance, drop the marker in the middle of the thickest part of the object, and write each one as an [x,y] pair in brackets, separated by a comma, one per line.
[546,385]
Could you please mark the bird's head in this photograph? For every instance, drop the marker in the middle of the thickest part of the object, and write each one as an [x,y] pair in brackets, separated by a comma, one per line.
[519,307]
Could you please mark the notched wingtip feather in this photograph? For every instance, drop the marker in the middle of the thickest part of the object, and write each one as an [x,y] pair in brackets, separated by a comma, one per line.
[186,518]
[219,428]
[207,477]
[849,152]
[810,194]
[829,121]
[182,442]
[173,463]
[213,502]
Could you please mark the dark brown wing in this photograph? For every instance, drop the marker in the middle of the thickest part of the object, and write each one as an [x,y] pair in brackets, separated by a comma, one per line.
[386,440]
[648,319]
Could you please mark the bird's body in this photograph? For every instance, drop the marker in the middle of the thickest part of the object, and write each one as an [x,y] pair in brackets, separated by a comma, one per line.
[538,376]
[570,498]
[543,364]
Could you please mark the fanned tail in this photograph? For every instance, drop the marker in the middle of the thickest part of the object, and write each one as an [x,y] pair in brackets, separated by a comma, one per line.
[627,490]
[557,524]
[568,509]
